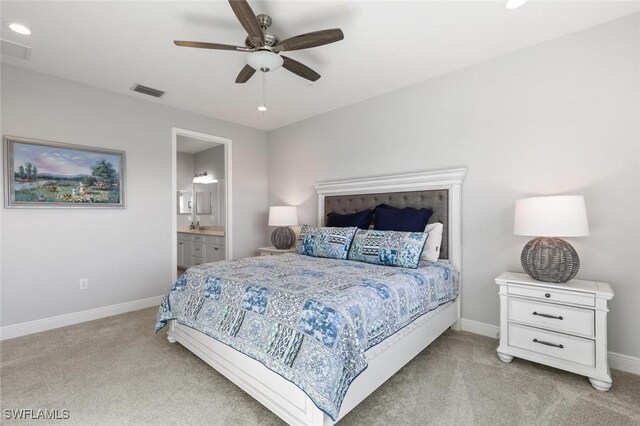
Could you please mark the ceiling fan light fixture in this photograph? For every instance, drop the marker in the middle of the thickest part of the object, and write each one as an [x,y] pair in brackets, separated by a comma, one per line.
[264,60]
[514,4]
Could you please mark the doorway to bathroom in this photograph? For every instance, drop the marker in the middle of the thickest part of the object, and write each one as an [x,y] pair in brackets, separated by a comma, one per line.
[201,193]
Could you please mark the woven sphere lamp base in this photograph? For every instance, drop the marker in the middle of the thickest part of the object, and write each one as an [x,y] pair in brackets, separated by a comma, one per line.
[552,260]
[283,238]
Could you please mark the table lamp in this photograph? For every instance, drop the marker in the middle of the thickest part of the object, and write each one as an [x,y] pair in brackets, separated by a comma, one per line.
[547,257]
[283,217]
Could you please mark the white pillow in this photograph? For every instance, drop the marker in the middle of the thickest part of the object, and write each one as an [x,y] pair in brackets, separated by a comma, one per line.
[431,250]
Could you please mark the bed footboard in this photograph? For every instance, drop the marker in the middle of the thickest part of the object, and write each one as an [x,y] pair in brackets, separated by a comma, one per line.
[290,403]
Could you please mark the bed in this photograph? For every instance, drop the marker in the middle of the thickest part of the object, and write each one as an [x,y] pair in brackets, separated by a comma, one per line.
[292,357]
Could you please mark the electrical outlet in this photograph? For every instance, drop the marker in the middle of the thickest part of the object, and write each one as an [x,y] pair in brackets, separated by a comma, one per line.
[84,283]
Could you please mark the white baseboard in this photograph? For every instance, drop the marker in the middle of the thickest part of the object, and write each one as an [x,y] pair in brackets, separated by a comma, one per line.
[617,361]
[630,364]
[627,363]
[480,328]
[22,329]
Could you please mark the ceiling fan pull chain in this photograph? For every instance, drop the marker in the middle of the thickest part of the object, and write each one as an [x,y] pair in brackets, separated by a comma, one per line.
[263,106]
[264,89]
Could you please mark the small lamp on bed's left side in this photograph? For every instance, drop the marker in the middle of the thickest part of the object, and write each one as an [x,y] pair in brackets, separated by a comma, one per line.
[283,217]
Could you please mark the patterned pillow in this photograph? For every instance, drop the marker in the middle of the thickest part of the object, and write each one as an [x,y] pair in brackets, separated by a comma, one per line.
[325,242]
[391,248]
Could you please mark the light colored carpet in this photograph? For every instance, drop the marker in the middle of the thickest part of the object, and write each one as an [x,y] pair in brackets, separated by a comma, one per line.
[116,371]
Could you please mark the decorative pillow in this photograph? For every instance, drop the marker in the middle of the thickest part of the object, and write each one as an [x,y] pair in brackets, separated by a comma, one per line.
[406,220]
[431,249]
[325,242]
[359,219]
[389,248]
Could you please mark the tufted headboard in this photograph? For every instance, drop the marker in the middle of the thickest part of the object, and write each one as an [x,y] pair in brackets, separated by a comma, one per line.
[436,200]
[439,190]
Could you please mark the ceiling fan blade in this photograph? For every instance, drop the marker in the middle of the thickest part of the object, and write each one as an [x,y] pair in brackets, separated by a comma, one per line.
[247,19]
[245,74]
[203,45]
[314,39]
[299,69]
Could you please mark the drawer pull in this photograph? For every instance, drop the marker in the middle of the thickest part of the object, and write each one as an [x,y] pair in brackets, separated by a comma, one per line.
[548,344]
[216,248]
[547,295]
[549,316]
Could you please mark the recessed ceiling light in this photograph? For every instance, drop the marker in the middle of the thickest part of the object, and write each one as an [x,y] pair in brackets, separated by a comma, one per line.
[514,4]
[262,108]
[19,28]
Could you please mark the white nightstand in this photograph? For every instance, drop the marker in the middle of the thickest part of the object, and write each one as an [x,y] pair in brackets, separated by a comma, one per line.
[272,251]
[560,325]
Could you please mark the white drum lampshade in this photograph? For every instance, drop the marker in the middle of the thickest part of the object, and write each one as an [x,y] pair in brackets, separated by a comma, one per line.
[549,258]
[283,237]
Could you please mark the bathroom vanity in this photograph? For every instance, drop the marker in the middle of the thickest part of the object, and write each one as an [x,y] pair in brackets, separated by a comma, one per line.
[200,246]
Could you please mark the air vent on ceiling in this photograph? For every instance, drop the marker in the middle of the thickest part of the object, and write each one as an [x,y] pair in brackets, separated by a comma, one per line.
[147,90]
[15,49]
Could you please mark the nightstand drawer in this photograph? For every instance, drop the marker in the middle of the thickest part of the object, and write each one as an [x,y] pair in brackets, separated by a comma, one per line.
[561,318]
[561,346]
[554,295]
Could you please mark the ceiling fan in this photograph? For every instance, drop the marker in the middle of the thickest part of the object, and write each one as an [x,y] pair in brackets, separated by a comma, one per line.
[264,47]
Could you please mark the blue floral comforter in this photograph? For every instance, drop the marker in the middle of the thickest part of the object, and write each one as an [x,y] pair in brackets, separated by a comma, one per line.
[308,319]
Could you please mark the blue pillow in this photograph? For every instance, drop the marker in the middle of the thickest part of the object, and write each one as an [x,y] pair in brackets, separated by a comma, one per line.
[388,248]
[325,242]
[360,220]
[406,220]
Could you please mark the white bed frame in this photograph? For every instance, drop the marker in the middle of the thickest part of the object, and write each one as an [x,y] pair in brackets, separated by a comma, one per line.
[284,398]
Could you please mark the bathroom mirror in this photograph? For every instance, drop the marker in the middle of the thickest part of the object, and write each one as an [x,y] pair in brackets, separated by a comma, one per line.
[203,202]
[185,202]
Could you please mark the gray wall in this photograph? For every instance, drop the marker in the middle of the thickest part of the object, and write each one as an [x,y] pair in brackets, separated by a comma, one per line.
[559,118]
[185,169]
[212,162]
[126,253]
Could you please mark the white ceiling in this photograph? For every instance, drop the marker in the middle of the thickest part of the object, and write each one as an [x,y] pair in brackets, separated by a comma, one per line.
[387,45]
[193,145]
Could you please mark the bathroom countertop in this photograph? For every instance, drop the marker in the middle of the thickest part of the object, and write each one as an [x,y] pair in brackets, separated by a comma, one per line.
[214,231]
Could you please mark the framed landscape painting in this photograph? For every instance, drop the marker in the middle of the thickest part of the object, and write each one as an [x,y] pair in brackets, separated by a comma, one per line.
[51,174]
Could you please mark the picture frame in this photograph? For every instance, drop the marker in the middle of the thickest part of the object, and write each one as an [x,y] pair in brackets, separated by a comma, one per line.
[45,174]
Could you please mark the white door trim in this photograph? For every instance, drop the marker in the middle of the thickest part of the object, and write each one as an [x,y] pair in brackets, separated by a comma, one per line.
[228,229]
